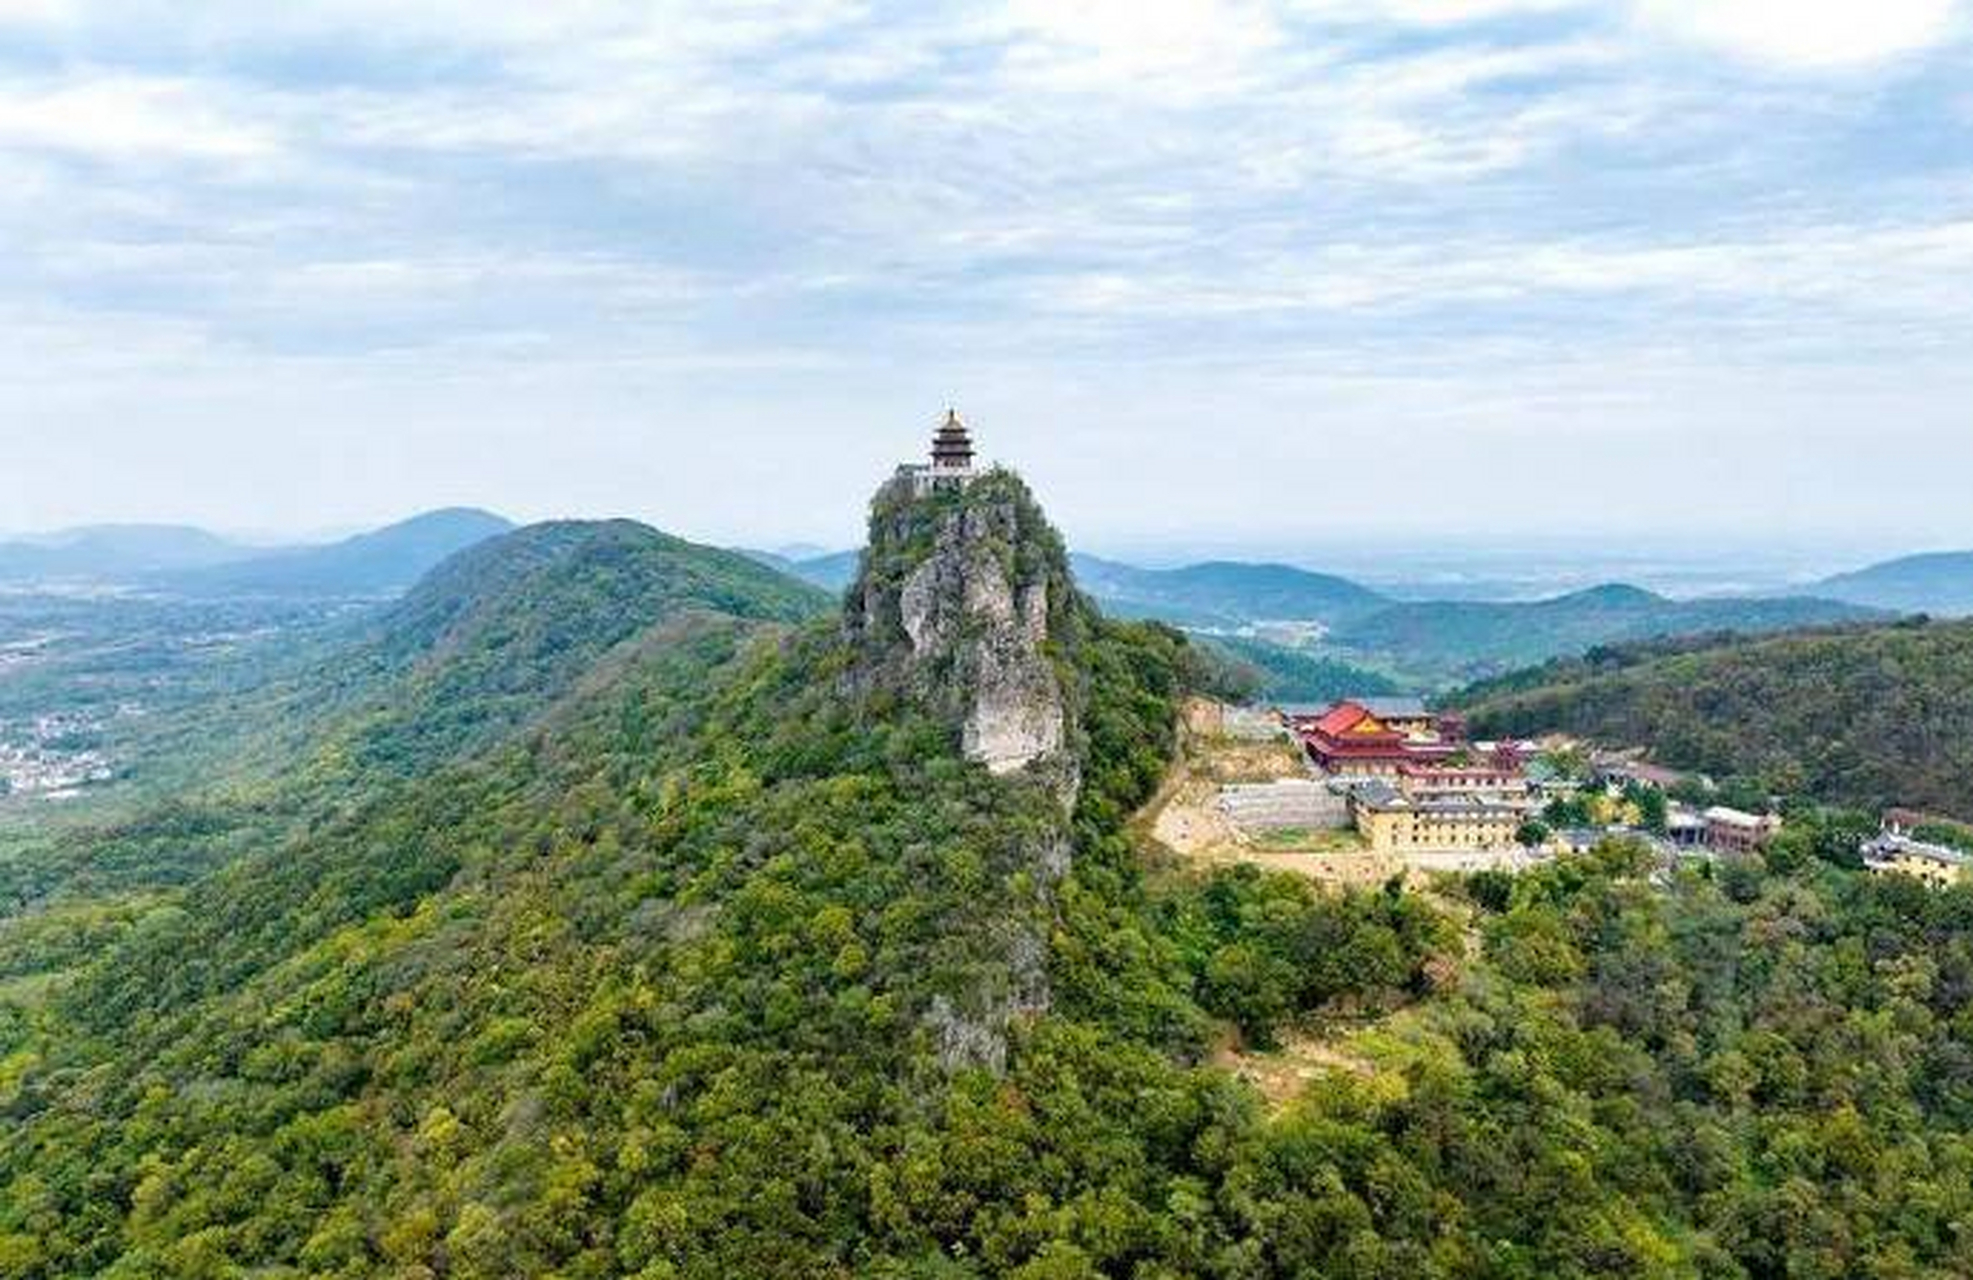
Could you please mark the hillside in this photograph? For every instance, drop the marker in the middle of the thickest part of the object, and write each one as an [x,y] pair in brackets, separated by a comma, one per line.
[490,640]
[1289,675]
[1468,639]
[382,562]
[832,571]
[1871,717]
[756,953]
[1937,583]
[710,870]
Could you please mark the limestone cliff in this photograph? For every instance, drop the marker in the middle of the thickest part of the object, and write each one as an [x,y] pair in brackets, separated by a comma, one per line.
[964,602]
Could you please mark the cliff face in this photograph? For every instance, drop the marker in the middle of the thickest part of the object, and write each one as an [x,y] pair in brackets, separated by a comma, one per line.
[964,602]
[964,607]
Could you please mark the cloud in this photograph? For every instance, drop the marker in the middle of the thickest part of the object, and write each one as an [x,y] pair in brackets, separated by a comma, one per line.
[126,118]
[1808,34]
[1515,201]
[1170,49]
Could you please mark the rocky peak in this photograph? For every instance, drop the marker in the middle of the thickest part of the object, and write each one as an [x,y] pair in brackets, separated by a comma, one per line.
[964,601]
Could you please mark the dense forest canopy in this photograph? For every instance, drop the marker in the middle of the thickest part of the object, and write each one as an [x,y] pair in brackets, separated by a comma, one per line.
[1871,717]
[716,961]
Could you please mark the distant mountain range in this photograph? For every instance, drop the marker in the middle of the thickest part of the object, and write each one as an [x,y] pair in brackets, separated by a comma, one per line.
[383,562]
[1939,582]
[114,551]
[1225,594]
[1372,640]
[1466,638]
[1358,635]
[188,561]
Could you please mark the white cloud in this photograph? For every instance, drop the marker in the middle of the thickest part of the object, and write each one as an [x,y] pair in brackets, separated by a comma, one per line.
[121,117]
[1173,49]
[1431,13]
[1807,34]
[1026,194]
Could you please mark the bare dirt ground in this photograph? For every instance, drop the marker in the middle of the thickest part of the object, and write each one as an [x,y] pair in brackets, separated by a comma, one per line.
[1280,1075]
[1184,817]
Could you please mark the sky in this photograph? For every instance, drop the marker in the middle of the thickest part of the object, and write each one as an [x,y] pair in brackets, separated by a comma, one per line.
[1213,274]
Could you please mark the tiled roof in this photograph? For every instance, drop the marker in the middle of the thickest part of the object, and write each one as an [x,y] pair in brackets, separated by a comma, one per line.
[1341,718]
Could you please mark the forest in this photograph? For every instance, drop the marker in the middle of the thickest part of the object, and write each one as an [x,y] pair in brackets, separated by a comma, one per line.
[673,959]
[1863,716]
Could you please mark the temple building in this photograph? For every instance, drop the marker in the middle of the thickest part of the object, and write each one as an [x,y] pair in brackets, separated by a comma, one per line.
[951,466]
[1441,810]
[1352,739]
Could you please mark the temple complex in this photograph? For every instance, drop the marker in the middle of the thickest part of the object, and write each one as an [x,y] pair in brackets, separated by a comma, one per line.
[951,466]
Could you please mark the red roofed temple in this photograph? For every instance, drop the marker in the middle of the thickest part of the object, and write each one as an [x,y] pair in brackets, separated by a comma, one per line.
[1358,738]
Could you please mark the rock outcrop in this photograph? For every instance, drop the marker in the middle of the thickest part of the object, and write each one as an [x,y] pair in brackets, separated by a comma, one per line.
[964,608]
[963,600]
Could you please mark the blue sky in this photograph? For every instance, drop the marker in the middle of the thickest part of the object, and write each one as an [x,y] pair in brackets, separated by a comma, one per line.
[1212,273]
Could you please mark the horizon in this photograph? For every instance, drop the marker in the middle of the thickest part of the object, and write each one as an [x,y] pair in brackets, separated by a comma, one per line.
[1406,270]
[1479,566]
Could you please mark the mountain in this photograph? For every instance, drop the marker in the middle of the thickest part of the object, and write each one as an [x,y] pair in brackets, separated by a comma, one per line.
[1281,674]
[500,630]
[1938,582]
[1871,716]
[816,874]
[382,562]
[114,553]
[826,948]
[1474,638]
[487,643]
[832,572]
[1224,593]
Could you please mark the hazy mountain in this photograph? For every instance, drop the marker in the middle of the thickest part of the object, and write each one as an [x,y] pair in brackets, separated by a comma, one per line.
[1939,582]
[114,552]
[382,562]
[1224,593]
[1476,637]
[831,572]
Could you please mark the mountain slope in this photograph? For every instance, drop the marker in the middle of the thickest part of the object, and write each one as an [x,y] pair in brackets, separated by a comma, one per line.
[740,962]
[832,572]
[1284,675]
[1873,717]
[1937,582]
[1472,638]
[487,643]
[381,562]
[716,869]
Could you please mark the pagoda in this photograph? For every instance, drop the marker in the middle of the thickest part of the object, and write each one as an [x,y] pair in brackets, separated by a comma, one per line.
[952,459]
